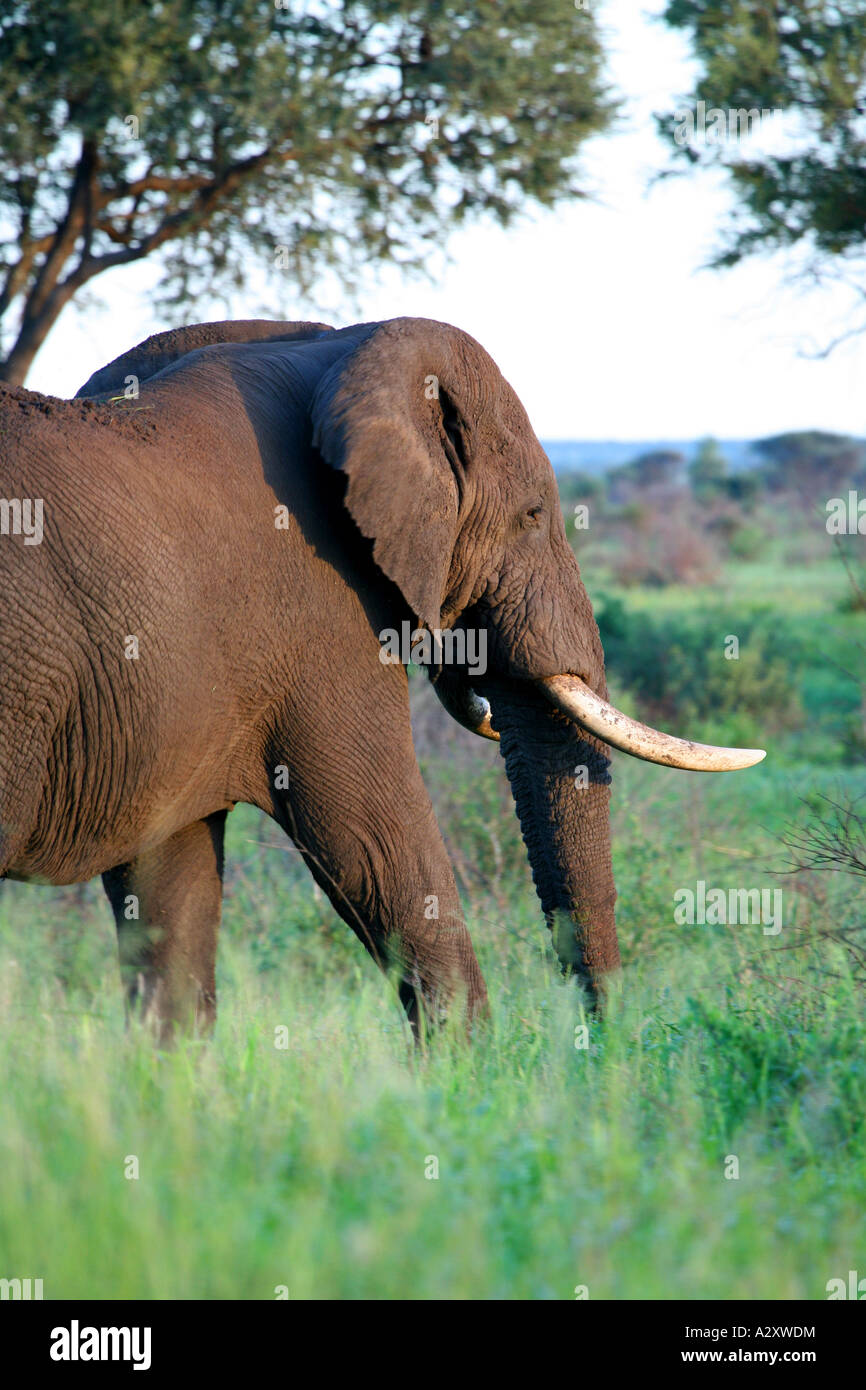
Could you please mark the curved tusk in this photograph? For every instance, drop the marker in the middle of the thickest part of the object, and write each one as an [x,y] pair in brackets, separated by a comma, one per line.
[478,716]
[574,697]
[465,705]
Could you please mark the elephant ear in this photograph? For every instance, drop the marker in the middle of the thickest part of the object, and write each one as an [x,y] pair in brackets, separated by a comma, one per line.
[160,350]
[398,416]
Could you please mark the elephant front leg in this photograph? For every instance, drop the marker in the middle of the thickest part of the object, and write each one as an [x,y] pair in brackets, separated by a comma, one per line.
[367,831]
[167,904]
[425,939]
[396,890]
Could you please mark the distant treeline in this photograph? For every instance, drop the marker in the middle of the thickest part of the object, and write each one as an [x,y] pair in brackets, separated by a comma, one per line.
[811,465]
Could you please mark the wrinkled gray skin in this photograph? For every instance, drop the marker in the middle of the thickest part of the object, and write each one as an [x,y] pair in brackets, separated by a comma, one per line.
[258,676]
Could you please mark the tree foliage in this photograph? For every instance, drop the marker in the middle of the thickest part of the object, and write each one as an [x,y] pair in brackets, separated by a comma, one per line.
[811,463]
[806,59]
[708,471]
[657,468]
[302,134]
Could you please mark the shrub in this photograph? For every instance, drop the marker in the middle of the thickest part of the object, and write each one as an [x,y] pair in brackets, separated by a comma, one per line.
[676,666]
[670,547]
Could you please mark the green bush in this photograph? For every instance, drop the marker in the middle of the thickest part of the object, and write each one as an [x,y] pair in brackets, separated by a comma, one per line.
[676,666]
[747,542]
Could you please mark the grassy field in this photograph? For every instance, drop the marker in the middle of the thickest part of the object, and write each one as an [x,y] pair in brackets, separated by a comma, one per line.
[707,1142]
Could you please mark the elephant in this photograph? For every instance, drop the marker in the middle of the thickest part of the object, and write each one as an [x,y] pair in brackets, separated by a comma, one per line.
[231,515]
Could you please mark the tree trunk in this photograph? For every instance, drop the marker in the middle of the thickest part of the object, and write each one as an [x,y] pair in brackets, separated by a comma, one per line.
[48,294]
[31,336]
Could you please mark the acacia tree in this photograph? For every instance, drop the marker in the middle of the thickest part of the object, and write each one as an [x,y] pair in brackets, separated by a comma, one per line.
[302,133]
[813,464]
[807,59]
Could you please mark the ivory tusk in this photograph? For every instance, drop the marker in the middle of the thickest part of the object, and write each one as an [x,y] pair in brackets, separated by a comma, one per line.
[573,697]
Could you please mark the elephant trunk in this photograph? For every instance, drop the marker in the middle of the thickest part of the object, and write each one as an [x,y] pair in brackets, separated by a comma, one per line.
[561,786]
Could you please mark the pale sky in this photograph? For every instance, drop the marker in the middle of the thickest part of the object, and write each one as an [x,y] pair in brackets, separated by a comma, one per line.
[598,314]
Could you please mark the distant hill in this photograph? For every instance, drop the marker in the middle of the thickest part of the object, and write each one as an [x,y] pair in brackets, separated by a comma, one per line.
[598,455]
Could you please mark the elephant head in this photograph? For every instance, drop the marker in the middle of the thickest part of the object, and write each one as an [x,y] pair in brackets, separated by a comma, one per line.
[447,479]
[448,483]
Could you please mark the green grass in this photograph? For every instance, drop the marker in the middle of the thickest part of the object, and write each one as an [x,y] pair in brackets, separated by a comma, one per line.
[305,1166]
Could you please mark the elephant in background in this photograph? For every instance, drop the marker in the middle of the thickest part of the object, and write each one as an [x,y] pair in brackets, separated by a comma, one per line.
[234,514]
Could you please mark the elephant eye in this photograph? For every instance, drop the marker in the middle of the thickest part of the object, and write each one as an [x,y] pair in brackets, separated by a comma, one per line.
[533,514]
